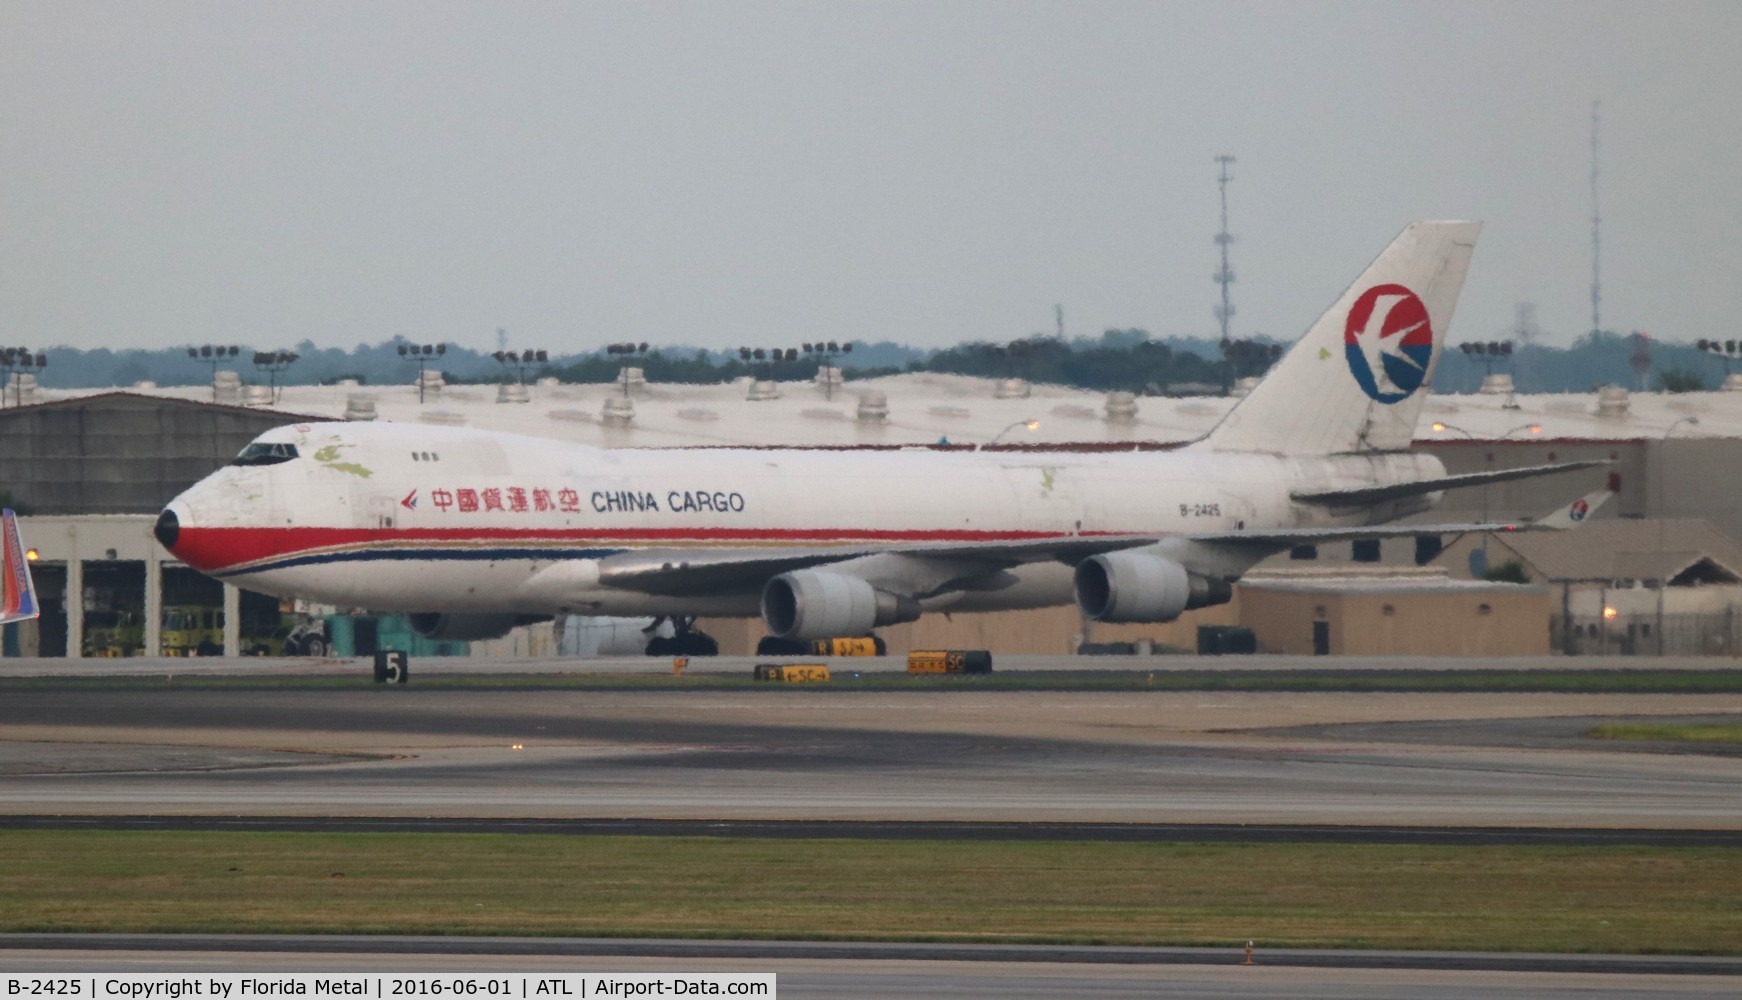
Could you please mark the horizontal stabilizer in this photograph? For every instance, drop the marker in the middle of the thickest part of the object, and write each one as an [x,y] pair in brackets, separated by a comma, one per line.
[1576,513]
[1363,495]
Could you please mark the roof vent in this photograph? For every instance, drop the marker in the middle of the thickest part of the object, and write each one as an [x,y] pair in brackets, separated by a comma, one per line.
[1121,408]
[618,411]
[763,389]
[256,395]
[1243,386]
[1612,401]
[634,378]
[143,385]
[828,377]
[1011,388]
[226,388]
[873,408]
[349,383]
[359,408]
[512,392]
[1497,384]
[1732,383]
[548,382]
[446,418]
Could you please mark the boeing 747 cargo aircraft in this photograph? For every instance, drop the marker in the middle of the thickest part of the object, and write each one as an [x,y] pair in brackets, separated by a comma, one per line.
[472,532]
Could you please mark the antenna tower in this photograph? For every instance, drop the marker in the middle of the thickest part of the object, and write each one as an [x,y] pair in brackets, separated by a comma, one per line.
[1225,276]
[1596,234]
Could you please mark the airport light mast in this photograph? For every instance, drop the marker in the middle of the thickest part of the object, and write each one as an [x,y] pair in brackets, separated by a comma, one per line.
[273,362]
[423,354]
[22,361]
[214,355]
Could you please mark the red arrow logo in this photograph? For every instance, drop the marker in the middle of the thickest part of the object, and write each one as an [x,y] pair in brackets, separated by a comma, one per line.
[410,501]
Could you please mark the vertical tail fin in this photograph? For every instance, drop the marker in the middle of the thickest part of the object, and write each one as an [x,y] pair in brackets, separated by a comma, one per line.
[1357,380]
[17,591]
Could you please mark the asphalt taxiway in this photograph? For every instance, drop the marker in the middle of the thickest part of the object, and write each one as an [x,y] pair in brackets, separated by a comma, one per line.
[1363,759]
[814,755]
[1372,767]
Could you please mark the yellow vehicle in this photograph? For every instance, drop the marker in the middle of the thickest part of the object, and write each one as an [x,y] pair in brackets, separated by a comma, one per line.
[192,630]
[113,633]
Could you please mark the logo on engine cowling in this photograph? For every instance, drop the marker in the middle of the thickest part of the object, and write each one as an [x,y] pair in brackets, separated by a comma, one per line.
[1389,342]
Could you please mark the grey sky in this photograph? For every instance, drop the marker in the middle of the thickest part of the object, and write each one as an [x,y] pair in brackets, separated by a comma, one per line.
[721,173]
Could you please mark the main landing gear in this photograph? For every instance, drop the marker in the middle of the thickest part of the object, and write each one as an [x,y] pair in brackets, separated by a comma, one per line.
[687,642]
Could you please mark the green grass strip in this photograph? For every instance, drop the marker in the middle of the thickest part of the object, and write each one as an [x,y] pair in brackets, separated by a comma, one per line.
[1530,898]
[1680,733]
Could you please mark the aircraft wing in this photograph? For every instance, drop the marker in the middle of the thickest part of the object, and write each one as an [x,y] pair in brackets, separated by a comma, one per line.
[681,572]
[1363,495]
[684,572]
[17,590]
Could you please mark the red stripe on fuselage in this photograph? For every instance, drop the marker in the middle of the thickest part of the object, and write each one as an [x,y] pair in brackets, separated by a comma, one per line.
[219,549]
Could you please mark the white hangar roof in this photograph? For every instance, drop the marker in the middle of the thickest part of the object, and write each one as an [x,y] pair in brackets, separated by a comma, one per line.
[924,408]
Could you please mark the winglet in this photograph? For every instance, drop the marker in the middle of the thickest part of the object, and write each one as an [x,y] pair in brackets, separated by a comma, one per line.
[17,591]
[1574,514]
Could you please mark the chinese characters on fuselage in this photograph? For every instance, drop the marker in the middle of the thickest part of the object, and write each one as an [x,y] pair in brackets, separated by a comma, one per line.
[538,500]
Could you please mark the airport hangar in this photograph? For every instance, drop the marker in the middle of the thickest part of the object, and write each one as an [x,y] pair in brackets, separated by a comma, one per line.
[94,467]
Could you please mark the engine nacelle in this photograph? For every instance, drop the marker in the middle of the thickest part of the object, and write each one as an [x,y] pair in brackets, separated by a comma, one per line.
[815,604]
[448,627]
[1139,587]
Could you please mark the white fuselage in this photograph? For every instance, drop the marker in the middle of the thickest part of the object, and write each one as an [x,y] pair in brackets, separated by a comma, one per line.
[405,517]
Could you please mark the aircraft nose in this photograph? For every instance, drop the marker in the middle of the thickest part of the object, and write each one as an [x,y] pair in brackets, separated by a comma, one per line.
[168,529]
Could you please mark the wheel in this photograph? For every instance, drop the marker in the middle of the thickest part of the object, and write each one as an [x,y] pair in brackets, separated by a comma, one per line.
[696,644]
[208,648]
[659,645]
[256,650]
[314,646]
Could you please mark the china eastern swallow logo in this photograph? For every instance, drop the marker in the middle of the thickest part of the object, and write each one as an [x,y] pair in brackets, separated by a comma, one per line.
[1579,509]
[410,501]
[1389,342]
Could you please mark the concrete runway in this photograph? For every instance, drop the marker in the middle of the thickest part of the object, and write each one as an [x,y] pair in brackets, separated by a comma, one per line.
[1129,757]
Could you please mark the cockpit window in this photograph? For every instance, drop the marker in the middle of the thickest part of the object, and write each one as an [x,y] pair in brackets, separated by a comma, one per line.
[261,453]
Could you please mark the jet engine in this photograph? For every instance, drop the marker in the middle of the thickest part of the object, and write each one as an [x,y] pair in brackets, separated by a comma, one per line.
[1140,587]
[465,628]
[815,604]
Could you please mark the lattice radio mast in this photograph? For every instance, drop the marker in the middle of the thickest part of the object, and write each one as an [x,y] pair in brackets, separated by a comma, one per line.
[1596,233]
[1225,276]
